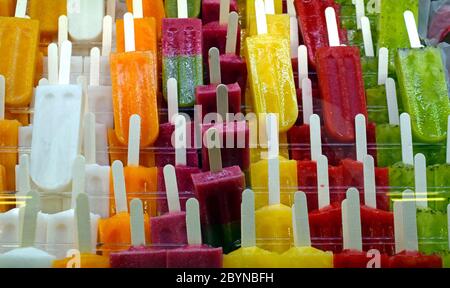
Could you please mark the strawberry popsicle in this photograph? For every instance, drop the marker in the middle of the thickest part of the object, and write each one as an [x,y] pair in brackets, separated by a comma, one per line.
[212,9]
[195,254]
[151,9]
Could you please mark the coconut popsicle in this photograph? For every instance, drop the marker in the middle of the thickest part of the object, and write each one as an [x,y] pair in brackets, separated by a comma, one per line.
[85,19]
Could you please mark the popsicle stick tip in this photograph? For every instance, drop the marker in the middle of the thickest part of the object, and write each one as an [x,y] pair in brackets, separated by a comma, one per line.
[194,233]
[352,194]
[117,165]
[299,196]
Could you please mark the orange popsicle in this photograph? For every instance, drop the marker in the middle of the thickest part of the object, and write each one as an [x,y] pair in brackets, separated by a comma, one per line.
[144,33]
[151,8]
[86,261]
[134,82]
[47,12]
[19,39]
[7,7]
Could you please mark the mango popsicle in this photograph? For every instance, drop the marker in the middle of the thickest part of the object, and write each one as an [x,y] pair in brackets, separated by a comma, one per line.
[249,255]
[134,82]
[151,9]
[145,35]
[47,13]
[191,8]
[7,8]
[270,74]
[18,35]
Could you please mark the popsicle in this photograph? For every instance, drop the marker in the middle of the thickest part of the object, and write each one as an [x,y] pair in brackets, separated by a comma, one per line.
[19,48]
[219,192]
[423,91]
[47,13]
[7,8]
[207,96]
[170,228]
[85,19]
[313,25]
[195,254]
[270,74]
[84,239]
[26,256]
[232,67]
[302,255]
[274,221]
[445,254]
[139,256]
[182,55]
[56,125]
[134,82]
[188,8]
[249,255]
[277,24]
[341,85]
[144,33]
[151,9]
[251,14]
[9,138]
[114,232]
[211,9]
[97,176]
[61,229]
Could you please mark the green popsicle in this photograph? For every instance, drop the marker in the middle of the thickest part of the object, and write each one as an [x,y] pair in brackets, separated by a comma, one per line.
[172,10]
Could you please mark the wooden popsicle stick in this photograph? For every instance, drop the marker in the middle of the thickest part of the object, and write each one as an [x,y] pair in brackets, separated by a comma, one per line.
[302,64]
[261,21]
[64,63]
[315,137]
[420,179]
[370,192]
[172,99]
[53,70]
[222,101]
[361,137]
[448,141]
[83,221]
[170,179]
[359,6]
[224,11]
[182,9]
[333,34]
[214,151]
[351,221]
[138,11]
[63,30]
[134,140]
[367,36]
[29,220]
[107,35]
[300,221]
[194,232]
[180,140]
[120,194]
[2,96]
[269,7]
[273,160]
[94,70]
[43,82]
[248,226]
[21,8]
[78,178]
[232,31]
[391,97]
[137,223]
[411,27]
[323,185]
[128,23]
[90,146]
[307,101]
[406,139]
[214,66]
[383,63]
[293,24]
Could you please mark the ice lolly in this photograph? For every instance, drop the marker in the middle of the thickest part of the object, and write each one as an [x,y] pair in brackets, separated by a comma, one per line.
[271,78]
[219,192]
[302,255]
[19,46]
[249,255]
[139,256]
[85,19]
[277,24]
[47,13]
[7,8]
[134,82]
[188,8]
[27,256]
[56,126]
[212,9]
[144,33]
[151,9]
[182,56]
[274,220]
[114,232]
[9,131]
[195,254]
[341,85]
[424,91]
[251,14]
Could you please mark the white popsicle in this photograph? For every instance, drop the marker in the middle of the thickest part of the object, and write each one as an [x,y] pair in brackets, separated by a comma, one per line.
[85,19]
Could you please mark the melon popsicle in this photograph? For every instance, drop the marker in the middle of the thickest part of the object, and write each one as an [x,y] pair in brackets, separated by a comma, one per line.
[182,55]
[114,232]
[189,8]
[151,9]
[138,256]
[249,255]
[274,221]
[341,85]
[134,82]
[19,47]
[195,254]
[84,239]
[302,255]
[85,19]
[170,228]
[47,13]
[219,192]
